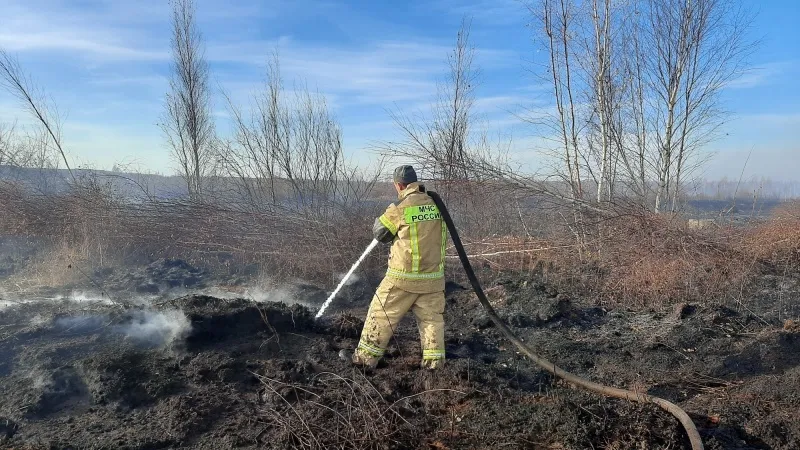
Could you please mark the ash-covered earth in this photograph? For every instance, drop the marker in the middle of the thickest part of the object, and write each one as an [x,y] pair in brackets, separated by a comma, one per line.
[217,372]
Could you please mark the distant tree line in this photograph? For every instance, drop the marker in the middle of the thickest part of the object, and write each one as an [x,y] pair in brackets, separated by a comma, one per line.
[762,188]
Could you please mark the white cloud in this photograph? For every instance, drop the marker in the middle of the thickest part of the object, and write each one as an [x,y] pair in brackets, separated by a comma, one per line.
[255,52]
[379,72]
[116,80]
[376,73]
[99,34]
[498,103]
[116,53]
[773,140]
[761,75]
[383,72]
[71,40]
[11,113]
[779,164]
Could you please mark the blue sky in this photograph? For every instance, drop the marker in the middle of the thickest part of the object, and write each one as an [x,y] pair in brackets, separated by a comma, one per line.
[105,63]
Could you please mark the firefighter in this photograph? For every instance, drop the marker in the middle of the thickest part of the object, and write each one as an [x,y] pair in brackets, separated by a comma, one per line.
[415,277]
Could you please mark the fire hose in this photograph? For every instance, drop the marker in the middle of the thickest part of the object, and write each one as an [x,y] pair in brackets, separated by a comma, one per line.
[608,391]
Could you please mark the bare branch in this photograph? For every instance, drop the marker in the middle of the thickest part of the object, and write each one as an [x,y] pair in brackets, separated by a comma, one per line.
[14,80]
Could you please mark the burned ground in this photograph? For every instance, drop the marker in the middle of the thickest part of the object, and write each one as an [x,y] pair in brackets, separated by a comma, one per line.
[205,372]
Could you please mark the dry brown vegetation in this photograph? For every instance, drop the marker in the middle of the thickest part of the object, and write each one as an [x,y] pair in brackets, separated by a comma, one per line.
[88,228]
[338,412]
[651,260]
[777,241]
[634,257]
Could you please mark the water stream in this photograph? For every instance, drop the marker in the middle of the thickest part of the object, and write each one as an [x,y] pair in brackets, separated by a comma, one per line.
[325,305]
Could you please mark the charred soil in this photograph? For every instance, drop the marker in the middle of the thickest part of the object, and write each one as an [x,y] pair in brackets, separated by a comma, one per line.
[210,373]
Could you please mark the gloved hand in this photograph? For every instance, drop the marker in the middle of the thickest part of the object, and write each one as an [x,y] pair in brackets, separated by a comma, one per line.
[381,233]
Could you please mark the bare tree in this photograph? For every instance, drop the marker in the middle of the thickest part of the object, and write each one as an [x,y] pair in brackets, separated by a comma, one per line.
[634,138]
[7,151]
[453,114]
[452,150]
[441,145]
[444,145]
[650,74]
[601,69]
[690,49]
[251,156]
[288,150]
[18,84]
[187,121]
[712,51]
[556,19]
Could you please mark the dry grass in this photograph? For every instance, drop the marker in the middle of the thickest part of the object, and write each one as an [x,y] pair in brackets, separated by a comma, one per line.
[777,240]
[635,258]
[332,411]
[353,420]
[651,260]
[643,259]
[89,228]
[61,266]
[513,251]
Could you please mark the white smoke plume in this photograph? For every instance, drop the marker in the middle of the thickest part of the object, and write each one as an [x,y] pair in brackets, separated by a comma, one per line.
[261,295]
[10,300]
[38,320]
[158,329]
[39,379]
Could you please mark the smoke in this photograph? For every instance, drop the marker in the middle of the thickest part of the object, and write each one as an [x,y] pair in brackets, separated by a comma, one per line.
[85,298]
[354,278]
[39,379]
[38,320]
[11,300]
[6,304]
[223,292]
[261,295]
[299,293]
[257,294]
[80,324]
[75,297]
[144,327]
[156,329]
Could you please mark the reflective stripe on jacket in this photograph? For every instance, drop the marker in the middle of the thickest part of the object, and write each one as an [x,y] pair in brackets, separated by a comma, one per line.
[416,260]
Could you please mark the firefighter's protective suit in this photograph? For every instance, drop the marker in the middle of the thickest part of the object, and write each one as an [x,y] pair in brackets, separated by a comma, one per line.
[414,279]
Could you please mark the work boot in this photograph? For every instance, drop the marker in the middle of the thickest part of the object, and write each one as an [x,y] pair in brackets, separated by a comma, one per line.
[368,364]
[432,364]
[356,359]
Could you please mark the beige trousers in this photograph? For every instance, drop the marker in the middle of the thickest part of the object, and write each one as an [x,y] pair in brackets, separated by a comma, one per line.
[388,306]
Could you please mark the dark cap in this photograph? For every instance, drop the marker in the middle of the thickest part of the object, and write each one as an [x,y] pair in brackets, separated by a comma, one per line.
[405,175]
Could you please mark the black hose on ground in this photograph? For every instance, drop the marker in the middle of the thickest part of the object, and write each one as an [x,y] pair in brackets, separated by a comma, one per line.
[675,410]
